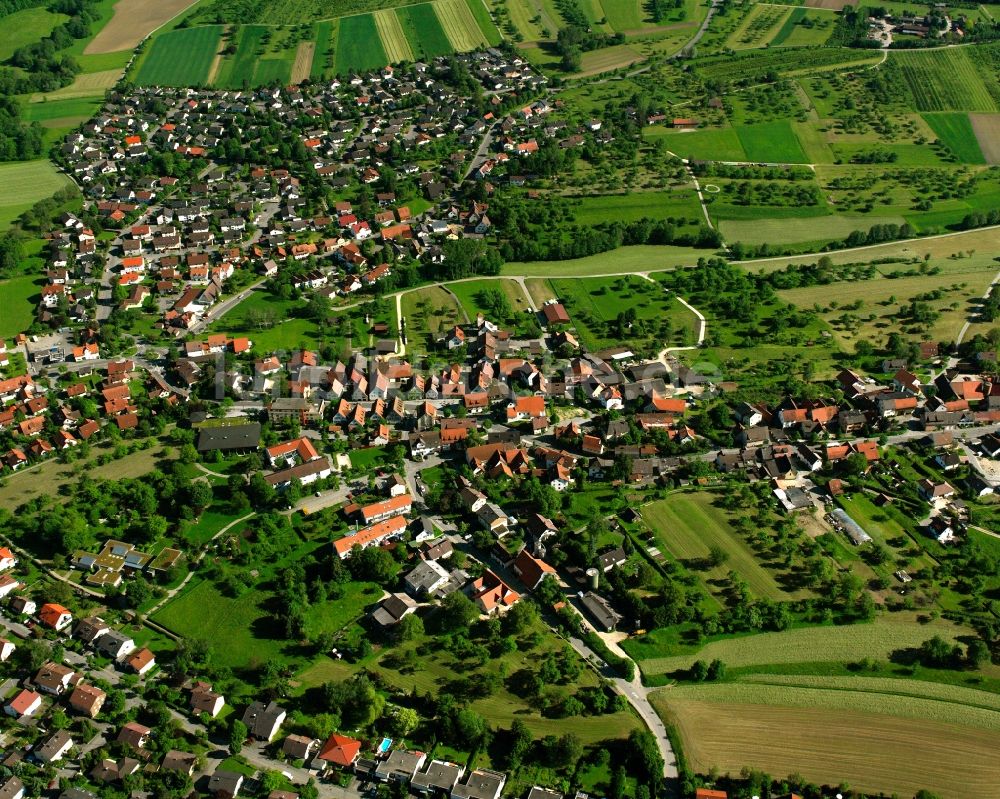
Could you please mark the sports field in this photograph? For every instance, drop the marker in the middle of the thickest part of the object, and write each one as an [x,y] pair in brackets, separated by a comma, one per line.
[24,183]
[874,742]
[359,47]
[945,80]
[689,526]
[180,57]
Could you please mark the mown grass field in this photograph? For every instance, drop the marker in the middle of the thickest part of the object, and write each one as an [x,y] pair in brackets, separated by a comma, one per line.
[325,36]
[358,45]
[771,142]
[765,229]
[689,525]
[920,689]
[806,28]
[20,297]
[238,630]
[945,80]
[872,742]
[25,27]
[718,144]
[638,258]
[949,251]
[876,640]
[87,84]
[677,203]
[624,15]
[485,23]
[956,131]
[180,57]
[241,68]
[24,183]
[50,112]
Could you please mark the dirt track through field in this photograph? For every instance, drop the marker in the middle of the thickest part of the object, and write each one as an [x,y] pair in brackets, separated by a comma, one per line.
[303,61]
[987,130]
[133,20]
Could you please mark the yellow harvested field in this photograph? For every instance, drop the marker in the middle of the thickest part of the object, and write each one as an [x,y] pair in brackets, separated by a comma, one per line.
[397,48]
[870,751]
[303,61]
[987,130]
[93,84]
[132,22]
[459,25]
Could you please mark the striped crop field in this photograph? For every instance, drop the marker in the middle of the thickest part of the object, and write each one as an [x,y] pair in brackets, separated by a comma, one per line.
[423,30]
[359,47]
[875,742]
[180,57]
[945,80]
[482,15]
[390,31]
[325,34]
[459,25]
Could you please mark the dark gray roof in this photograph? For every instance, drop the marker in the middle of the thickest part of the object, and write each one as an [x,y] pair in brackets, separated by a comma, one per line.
[229,437]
